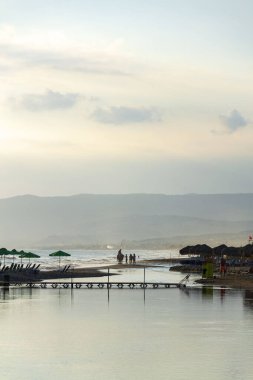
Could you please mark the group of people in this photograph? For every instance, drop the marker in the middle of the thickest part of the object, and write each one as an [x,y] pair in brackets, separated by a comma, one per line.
[131,258]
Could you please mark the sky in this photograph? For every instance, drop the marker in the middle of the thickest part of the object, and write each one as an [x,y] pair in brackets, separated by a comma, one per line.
[123,96]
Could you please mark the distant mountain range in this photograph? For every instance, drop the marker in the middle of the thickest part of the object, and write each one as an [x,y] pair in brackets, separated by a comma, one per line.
[137,220]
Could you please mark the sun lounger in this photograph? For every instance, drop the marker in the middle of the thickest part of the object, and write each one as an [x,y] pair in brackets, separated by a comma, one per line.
[66,268]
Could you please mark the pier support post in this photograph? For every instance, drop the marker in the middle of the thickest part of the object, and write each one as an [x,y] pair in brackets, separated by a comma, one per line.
[72,285]
[108,278]
[6,281]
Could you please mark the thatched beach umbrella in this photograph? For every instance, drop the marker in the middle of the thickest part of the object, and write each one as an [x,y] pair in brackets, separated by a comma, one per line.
[188,250]
[203,250]
[218,251]
[198,249]
[59,254]
[247,250]
[232,251]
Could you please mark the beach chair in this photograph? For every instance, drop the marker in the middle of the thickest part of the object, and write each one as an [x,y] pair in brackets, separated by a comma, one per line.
[36,269]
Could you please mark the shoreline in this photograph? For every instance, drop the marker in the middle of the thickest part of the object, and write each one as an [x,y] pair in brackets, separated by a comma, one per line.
[239,279]
[229,281]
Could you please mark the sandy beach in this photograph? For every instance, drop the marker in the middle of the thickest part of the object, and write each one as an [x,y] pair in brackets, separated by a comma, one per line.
[240,277]
[236,277]
[84,272]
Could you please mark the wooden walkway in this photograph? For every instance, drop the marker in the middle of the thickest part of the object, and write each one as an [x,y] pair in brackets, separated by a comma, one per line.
[97,285]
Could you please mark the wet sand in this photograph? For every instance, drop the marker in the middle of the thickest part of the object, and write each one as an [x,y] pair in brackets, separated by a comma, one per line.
[85,272]
[242,281]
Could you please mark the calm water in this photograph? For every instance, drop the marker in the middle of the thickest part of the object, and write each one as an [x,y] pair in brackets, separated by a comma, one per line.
[127,334]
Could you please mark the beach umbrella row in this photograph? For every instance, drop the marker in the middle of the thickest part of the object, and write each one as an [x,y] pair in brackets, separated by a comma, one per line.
[22,254]
[29,255]
[205,250]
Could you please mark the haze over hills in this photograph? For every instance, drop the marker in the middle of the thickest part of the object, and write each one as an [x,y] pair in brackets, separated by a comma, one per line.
[140,220]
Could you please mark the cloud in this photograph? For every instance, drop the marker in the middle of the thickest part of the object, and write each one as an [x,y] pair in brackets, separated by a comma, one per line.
[53,50]
[234,121]
[86,63]
[126,115]
[49,101]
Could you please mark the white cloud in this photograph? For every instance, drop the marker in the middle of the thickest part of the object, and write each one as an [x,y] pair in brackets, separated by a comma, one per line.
[55,50]
[126,115]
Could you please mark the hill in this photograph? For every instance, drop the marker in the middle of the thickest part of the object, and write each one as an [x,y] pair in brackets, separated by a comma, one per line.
[97,220]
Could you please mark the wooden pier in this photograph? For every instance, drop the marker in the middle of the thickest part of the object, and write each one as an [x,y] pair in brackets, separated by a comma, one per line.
[97,285]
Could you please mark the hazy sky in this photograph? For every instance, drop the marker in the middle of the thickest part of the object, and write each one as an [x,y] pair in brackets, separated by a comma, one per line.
[118,96]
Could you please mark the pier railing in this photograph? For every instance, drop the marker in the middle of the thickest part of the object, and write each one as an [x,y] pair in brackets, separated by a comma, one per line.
[94,285]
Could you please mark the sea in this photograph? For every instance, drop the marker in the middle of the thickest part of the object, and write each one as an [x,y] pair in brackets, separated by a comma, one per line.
[120,334]
[89,258]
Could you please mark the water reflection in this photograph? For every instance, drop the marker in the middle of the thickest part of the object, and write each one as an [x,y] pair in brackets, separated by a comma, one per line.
[222,293]
[4,294]
[175,335]
[248,299]
[211,294]
[207,293]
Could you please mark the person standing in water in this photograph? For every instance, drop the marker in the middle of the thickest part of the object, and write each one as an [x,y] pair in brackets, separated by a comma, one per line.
[120,256]
[126,258]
